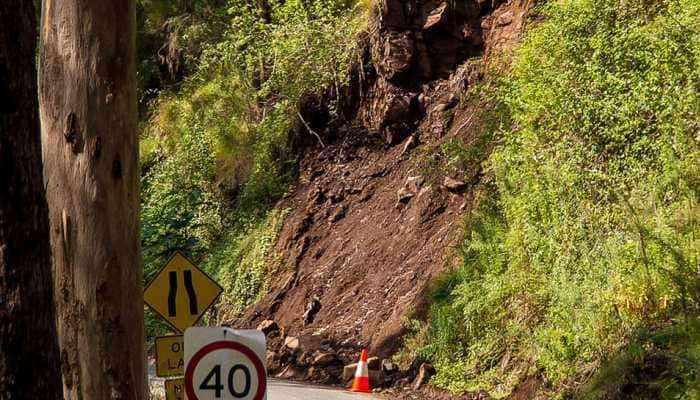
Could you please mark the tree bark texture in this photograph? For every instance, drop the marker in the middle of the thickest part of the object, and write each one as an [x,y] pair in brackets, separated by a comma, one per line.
[89,116]
[29,357]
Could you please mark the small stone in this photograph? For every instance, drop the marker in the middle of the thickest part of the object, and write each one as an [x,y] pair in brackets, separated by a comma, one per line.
[270,357]
[268,326]
[404,195]
[291,342]
[324,359]
[312,308]
[291,372]
[388,366]
[454,185]
[505,19]
[425,372]
[410,144]
[414,183]
[442,107]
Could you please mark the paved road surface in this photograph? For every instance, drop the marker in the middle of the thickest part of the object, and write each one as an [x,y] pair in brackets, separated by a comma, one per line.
[285,390]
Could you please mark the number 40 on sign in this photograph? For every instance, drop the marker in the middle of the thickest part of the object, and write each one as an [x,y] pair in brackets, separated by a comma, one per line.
[223,363]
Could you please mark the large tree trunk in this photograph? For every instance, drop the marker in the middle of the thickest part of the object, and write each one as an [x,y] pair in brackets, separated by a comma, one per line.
[88,115]
[29,361]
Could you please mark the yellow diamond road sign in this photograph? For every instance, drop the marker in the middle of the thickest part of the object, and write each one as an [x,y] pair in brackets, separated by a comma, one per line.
[181,292]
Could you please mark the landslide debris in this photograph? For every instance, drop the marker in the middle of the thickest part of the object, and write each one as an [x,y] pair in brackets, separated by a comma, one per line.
[369,226]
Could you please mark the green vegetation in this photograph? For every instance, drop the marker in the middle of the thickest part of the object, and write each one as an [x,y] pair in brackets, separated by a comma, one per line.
[584,254]
[217,147]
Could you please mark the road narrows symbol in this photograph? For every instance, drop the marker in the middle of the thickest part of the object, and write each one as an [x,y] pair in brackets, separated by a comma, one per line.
[190,292]
[181,292]
[172,294]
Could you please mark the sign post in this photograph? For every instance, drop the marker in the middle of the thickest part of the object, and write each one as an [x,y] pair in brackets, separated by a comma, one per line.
[224,363]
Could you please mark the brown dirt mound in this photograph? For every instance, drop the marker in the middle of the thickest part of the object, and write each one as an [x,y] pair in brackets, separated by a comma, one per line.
[350,244]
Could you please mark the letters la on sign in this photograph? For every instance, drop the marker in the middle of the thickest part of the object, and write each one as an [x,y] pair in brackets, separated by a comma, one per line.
[181,292]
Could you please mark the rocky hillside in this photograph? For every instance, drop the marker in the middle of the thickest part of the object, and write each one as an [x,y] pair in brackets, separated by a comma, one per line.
[372,218]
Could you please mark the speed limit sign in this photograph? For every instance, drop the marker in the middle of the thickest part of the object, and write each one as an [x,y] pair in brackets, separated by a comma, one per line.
[226,364]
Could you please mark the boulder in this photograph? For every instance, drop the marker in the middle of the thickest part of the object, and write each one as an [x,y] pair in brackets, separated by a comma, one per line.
[374,363]
[349,372]
[376,378]
[396,55]
[268,326]
[425,372]
[437,17]
[324,359]
[311,343]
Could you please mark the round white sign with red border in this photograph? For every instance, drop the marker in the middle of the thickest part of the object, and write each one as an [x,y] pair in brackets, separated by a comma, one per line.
[225,364]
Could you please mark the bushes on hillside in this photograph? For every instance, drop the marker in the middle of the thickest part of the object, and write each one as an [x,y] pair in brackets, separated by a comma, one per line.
[217,151]
[590,235]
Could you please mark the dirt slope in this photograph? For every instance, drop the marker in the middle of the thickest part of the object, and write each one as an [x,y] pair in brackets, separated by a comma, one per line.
[369,227]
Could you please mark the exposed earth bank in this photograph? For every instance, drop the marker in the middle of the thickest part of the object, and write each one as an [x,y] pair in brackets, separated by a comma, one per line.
[370,223]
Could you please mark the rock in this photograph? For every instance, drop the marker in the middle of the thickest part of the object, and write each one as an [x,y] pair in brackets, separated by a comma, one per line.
[324,359]
[442,107]
[270,357]
[410,144]
[268,326]
[291,372]
[414,183]
[505,19]
[437,17]
[312,308]
[376,378]
[374,363]
[404,195]
[454,185]
[349,372]
[291,342]
[388,366]
[396,54]
[425,372]
[311,343]
[337,215]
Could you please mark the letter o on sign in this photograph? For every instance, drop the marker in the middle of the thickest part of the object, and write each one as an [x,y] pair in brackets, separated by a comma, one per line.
[218,380]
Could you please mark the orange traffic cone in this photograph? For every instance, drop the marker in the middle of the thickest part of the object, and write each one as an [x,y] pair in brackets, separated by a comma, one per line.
[361,381]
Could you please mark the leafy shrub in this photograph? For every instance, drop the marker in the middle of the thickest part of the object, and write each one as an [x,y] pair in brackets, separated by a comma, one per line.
[591,233]
[217,149]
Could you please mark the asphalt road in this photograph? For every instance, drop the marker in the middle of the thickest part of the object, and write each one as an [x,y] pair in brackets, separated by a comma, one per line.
[285,390]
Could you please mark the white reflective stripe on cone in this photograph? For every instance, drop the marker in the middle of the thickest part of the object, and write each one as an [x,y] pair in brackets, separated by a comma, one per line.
[362,369]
